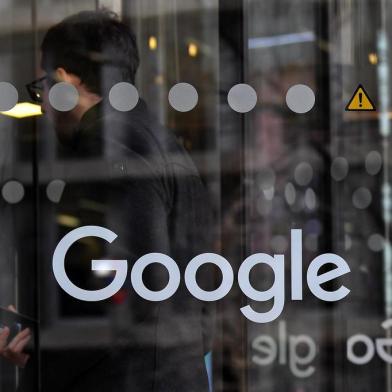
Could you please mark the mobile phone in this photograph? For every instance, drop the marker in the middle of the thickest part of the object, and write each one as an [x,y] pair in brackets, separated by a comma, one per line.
[16,322]
[14,329]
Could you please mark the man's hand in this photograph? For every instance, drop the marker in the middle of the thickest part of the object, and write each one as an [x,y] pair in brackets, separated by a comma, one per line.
[13,351]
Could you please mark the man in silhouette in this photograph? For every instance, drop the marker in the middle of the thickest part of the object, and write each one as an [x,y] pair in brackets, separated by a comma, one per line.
[153,199]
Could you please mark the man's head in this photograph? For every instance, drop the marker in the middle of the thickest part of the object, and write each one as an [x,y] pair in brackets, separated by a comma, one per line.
[92,50]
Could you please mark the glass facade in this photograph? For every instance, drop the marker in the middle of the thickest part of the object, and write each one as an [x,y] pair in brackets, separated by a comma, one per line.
[250,120]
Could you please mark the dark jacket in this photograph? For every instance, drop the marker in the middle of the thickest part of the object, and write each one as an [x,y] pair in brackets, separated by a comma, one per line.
[155,201]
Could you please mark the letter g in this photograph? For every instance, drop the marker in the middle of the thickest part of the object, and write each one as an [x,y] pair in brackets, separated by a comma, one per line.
[119,266]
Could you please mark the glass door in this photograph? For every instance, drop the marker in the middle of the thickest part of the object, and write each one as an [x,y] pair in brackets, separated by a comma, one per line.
[256,132]
[19,253]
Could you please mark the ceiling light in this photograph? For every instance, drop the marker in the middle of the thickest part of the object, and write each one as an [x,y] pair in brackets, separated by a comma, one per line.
[279,40]
[24,109]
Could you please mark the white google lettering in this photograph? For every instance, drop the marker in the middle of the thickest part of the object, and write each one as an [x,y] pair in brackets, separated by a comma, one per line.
[276,292]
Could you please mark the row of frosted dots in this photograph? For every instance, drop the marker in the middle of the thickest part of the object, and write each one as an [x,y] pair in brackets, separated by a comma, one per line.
[183,97]
[13,192]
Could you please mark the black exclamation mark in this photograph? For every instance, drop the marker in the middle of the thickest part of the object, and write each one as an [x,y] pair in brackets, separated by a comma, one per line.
[360,100]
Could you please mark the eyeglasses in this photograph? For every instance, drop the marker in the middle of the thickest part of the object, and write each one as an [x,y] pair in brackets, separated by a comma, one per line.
[36,88]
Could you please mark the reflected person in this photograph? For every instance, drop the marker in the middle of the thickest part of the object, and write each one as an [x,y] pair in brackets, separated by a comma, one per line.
[153,199]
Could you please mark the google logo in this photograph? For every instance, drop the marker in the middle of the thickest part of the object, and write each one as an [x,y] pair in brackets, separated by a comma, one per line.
[276,292]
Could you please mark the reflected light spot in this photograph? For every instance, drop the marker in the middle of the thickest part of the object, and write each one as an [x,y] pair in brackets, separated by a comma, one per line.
[193,50]
[103,268]
[310,199]
[362,198]
[376,242]
[373,58]
[266,179]
[159,79]
[303,173]
[290,193]
[152,42]
[339,168]
[269,193]
[68,220]
[373,162]
[347,242]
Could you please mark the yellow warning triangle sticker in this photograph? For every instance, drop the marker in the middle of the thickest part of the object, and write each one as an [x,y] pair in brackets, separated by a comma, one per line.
[360,101]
